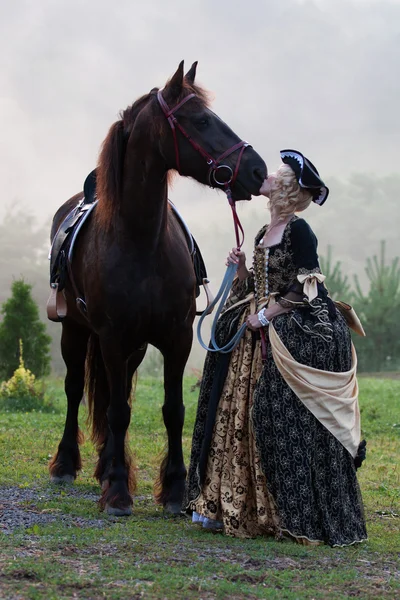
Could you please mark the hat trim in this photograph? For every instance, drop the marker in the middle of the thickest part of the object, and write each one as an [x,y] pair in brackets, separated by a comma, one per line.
[298,157]
[323,194]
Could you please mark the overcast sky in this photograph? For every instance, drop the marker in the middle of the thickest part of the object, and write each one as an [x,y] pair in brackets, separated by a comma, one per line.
[321,76]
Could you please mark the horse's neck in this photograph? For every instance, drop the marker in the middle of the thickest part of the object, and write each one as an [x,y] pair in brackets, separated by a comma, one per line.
[144,206]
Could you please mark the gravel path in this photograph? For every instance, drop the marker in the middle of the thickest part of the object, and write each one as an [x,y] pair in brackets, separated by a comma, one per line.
[18,510]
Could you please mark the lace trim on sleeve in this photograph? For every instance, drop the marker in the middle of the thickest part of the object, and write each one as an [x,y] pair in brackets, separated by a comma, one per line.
[303,271]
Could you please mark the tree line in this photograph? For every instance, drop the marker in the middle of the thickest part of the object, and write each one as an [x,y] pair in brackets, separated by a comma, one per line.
[378,309]
[360,270]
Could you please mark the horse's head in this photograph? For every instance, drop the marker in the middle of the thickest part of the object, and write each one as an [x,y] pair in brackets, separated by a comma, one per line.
[197,143]
[174,128]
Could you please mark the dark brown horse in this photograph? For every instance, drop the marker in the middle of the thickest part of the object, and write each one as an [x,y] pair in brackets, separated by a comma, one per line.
[133,268]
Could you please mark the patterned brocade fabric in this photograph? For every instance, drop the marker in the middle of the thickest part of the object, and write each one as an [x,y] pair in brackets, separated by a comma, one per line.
[274,267]
[239,291]
[276,270]
[234,487]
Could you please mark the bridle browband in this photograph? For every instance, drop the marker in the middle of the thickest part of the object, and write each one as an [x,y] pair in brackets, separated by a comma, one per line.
[214,163]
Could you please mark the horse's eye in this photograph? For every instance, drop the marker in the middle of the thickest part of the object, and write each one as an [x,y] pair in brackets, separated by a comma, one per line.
[202,122]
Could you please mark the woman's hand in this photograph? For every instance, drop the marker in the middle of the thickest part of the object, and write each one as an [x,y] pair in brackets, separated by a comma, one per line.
[236,257]
[253,322]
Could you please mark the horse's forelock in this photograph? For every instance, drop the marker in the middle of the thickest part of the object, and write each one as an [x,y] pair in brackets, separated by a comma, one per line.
[201,93]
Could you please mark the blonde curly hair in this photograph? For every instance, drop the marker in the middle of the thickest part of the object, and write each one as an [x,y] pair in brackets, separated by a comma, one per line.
[287,196]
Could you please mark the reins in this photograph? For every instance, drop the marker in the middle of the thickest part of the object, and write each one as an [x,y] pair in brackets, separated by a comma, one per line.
[214,170]
[223,293]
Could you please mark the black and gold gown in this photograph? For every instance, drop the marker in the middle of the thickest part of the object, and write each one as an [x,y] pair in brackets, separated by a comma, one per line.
[261,462]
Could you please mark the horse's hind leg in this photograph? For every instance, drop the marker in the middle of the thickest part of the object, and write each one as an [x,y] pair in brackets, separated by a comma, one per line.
[170,487]
[67,461]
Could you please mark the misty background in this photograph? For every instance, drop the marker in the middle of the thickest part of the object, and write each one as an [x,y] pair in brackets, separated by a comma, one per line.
[320,76]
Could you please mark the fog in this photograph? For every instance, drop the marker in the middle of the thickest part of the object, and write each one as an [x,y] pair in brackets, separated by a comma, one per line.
[320,76]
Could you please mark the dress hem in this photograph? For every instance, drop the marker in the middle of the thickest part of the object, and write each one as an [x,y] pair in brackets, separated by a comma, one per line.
[304,537]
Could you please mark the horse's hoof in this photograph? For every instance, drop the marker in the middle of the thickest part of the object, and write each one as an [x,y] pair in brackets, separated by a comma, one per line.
[118,512]
[173,508]
[59,479]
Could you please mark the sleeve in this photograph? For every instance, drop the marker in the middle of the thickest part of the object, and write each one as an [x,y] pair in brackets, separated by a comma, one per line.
[304,246]
[309,279]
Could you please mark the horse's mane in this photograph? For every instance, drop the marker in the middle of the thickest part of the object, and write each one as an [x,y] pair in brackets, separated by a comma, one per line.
[111,158]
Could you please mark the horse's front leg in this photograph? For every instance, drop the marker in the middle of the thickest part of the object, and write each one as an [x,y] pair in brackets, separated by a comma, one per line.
[170,487]
[119,485]
[106,449]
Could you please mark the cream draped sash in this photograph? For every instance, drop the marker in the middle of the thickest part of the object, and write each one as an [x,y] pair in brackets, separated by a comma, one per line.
[331,397]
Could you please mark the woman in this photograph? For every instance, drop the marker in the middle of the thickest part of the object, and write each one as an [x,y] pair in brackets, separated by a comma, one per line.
[277,433]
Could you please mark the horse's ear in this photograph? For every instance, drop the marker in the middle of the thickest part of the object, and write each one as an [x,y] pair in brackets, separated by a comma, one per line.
[174,85]
[191,74]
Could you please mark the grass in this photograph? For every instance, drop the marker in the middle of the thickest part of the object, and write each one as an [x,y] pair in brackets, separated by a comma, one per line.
[74,551]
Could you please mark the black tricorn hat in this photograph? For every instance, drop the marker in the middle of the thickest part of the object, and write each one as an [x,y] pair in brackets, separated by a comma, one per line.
[306,174]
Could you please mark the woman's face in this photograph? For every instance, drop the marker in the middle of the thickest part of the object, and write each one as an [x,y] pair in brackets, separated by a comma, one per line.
[268,185]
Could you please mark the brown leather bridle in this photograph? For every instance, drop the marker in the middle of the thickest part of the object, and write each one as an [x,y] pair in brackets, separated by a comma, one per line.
[215,168]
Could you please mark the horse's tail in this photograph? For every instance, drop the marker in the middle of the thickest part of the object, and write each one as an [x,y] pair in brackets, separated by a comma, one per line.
[97,392]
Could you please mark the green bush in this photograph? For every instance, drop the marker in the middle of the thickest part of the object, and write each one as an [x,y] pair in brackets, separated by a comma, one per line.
[379,312]
[22,392]
[21,322]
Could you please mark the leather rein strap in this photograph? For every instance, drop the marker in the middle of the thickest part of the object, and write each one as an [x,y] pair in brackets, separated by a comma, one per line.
[214,163]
